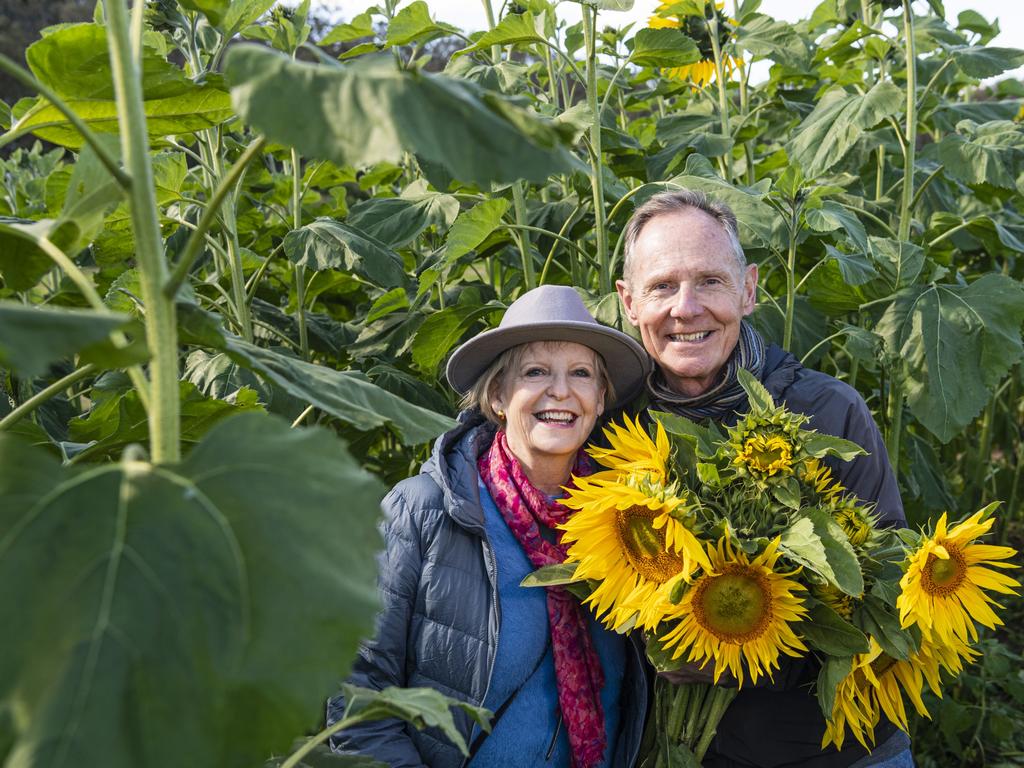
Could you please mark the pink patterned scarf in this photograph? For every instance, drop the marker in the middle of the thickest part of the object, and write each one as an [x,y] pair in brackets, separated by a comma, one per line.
[578,674]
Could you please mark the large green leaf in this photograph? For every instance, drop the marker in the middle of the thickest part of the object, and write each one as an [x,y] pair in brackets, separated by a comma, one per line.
[371,111]
[242,13]
[767,38]
[826,631]
[329,244]
[837,122]
[413,24]
[348,395]
[990,153]
[119,420]
[958,342]
[663,48]
[441,330]
[817,542]
[22,261]
[214,10]
[33,337]
[515,28]
[983,61]
[182,615]
[472,227]
[360,26]
[397,221]
[74,60]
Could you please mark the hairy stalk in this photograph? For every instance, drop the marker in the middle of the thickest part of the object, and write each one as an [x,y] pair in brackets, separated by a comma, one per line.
[210,210]
[300,271]
[723,99]
[911,126]
[787,336]
[161,320]
[597,172]
[721,698]
[231,243]
[43,395]
[495,49]
[525,256]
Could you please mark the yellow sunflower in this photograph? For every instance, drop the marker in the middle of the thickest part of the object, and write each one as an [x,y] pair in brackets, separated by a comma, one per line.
[629,540]
[943,590]
[701,72]
[854,708]
[632,450]
[856,521]
[740,610]
[818,478]
[765,455]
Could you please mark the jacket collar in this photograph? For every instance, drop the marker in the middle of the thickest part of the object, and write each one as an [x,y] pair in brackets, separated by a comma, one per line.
[452,465]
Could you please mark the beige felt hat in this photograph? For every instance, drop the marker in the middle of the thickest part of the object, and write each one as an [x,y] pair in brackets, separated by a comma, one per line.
[552,313]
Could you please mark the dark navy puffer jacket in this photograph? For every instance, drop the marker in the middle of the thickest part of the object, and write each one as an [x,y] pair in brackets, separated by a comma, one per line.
[441,616]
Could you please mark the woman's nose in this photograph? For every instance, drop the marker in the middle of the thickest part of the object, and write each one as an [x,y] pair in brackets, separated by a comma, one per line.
[559,386]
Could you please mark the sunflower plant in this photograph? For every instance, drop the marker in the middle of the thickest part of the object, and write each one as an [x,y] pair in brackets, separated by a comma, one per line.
[735,549]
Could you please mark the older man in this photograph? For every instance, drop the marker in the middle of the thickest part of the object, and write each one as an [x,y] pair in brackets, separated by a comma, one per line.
[687,287]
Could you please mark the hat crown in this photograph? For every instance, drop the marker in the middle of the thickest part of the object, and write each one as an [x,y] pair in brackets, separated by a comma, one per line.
[547,304]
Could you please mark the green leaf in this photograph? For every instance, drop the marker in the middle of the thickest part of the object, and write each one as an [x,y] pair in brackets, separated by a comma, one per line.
[324,112]
[551,576]
[361,26]
[836,216]
[22,261]
[514,29]
[958,343]
[899,263]
[422,707]
[348,395]
[441,330]
[788,493]
[767,38]
[759,397]
[991,153]
[91,194]
[329,244]
[833,671]
[837,122]
[881,622]
[663,48]
[214,10]
[819,444]
[611,5]
[120,420]
[983,61]
[204,108]
[413,24]
[472,227]
[33,337]
[397,221]
[174,589]
[826,631]
[816,541]
[703,438]
[386,303]
[242,13]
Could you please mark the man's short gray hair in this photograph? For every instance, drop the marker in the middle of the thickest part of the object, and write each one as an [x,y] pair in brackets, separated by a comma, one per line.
[677,201]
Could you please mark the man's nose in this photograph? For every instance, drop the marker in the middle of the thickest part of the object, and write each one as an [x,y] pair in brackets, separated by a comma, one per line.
[687,303]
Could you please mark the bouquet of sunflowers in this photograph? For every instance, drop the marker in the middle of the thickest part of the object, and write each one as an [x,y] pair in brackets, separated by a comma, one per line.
[730,549]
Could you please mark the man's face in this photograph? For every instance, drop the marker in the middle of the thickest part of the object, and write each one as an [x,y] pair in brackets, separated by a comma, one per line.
[687,294]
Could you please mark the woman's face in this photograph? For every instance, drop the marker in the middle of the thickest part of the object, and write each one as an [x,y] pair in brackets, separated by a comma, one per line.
[551,401]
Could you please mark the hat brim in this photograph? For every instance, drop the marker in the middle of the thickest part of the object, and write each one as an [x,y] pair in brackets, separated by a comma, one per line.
[626,361]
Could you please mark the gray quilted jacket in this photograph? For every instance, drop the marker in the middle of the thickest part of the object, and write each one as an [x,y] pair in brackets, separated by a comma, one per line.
[441,617]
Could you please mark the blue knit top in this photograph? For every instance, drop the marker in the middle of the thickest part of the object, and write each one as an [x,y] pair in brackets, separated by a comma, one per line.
[530,731]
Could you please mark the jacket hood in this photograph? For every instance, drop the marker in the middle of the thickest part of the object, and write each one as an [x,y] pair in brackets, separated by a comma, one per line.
[452,465]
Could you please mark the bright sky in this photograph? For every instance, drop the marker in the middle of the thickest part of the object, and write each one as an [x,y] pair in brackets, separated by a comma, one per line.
[469,14]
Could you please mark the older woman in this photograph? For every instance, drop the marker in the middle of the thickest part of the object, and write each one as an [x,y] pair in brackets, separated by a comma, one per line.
[481,515]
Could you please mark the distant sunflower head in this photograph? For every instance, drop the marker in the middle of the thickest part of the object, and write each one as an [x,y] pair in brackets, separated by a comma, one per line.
[631,450]
[834,598]
[698,29]
[765,455]
[633,542]
[739,614]
[857,522]
[944,589]
[818,478]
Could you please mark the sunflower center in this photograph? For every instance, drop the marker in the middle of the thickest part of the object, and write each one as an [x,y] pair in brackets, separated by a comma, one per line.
[943,576]
[735,605]
[645,545]
[767,454]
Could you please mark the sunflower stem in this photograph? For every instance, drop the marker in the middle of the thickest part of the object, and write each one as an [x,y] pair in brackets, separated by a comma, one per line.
[720,699]
[680,699]
[696,702]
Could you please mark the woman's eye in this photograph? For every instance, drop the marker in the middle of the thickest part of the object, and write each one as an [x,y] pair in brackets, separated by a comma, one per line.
[582,373]
[535,371]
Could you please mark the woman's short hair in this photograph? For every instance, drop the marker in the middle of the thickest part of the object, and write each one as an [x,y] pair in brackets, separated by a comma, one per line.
[493,378]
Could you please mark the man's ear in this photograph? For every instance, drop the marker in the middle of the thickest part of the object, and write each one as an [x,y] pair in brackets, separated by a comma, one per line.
[626,296]
[749,288]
